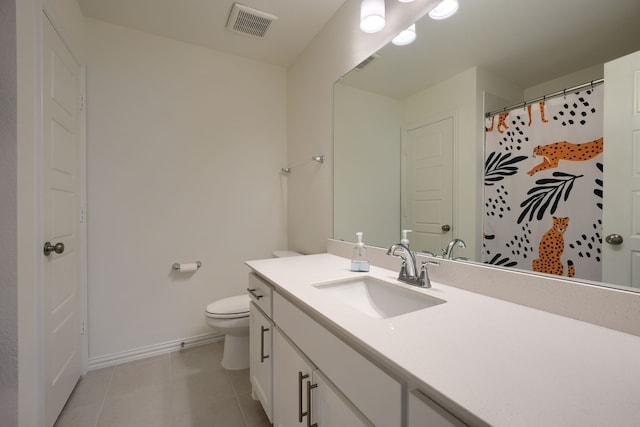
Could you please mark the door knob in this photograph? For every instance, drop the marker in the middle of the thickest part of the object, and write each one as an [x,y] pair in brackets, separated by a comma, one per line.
[614,239]
[57,248]
[446,228]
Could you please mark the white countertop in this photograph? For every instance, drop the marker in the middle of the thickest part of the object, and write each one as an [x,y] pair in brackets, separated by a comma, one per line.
[485,359]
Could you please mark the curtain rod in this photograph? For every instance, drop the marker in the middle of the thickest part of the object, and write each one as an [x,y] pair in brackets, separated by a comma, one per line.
[563,92]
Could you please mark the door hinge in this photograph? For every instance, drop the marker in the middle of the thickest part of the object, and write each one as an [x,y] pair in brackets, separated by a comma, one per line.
[81,215]
[82,328]
[81,102]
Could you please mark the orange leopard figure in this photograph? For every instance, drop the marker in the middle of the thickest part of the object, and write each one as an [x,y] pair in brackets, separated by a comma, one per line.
[490,128]
[542,116]
[564,150]
[551,249]
[502,122]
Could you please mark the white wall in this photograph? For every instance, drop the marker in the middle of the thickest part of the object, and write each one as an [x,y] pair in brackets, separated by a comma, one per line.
[366,163]
[579,77]
[184,148]
[335,50]
[8,217]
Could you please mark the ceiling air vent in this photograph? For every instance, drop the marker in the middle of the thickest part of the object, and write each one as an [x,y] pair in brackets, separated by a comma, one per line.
[248,21]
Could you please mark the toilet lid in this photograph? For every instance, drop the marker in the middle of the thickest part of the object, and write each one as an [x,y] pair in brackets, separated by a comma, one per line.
[232,307]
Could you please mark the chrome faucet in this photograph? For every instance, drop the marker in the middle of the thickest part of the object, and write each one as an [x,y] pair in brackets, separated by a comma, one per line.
[408,258]
[408,271]
[446,253]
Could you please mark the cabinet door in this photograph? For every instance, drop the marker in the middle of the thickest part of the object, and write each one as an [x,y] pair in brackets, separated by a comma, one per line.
[291,371]
[260,358]
[425,412]
[329,408]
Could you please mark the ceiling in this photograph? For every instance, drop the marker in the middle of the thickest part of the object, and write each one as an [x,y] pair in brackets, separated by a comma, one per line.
[203,22]
[524,41]
[527,42]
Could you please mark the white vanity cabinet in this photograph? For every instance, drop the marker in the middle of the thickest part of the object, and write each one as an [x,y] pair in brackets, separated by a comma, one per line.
[373,392]
[424,412]
[260,343]
[303,396]
[298,366]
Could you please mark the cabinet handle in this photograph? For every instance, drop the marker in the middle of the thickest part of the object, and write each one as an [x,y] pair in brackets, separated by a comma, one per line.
[253,292]
[300,378]
[262,331]
[308,413]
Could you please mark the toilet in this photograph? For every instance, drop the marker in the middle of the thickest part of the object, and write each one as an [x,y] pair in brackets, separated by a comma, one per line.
[230,316]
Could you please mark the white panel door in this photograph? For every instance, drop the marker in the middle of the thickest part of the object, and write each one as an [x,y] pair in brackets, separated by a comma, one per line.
[428,185]
[621,190]
[61,183]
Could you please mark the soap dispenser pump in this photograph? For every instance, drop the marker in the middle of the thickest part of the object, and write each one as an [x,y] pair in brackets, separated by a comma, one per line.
[359,260]
[404,240]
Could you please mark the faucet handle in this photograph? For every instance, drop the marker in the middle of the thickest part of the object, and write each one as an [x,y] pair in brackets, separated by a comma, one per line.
[424,280]
[403,270]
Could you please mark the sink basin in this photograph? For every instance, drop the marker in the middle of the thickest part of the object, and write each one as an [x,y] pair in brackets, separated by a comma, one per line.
[377,298]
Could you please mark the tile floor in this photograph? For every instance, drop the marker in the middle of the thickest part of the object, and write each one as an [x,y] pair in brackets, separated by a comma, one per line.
[187,388]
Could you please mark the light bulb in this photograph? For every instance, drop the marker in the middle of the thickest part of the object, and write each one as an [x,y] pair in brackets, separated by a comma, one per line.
[372,16]
[405,37]
[444,9]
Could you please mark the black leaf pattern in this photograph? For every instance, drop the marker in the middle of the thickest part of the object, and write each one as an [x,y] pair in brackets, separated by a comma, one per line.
[496,260]
[548,193]
[498,166]
[598,191]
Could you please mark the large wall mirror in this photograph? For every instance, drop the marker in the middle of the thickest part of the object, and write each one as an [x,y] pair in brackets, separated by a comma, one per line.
[430,97]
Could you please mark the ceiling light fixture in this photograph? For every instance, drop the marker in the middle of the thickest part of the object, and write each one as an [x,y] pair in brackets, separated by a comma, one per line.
[444,9]
[372,17]
[405,37]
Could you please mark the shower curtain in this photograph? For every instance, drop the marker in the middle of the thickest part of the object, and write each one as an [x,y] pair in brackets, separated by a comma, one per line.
[543,186]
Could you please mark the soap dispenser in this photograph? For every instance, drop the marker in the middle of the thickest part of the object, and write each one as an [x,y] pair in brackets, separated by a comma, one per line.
[359,260]
[404,240]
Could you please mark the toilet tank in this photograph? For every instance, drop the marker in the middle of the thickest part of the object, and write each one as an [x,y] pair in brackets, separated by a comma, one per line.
[284,253]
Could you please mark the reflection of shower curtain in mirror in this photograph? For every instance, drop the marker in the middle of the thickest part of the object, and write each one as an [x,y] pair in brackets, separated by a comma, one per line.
[543,186]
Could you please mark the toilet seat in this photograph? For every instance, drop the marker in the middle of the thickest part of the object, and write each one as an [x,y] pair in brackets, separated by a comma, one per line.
[229,308]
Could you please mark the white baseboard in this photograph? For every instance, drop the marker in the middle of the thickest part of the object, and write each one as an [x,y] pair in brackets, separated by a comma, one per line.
[153,350]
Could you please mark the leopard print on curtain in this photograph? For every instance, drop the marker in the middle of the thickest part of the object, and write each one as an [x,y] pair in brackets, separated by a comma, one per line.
[544,161]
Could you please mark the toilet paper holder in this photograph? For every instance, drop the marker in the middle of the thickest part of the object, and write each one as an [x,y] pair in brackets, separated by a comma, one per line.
[177,266]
